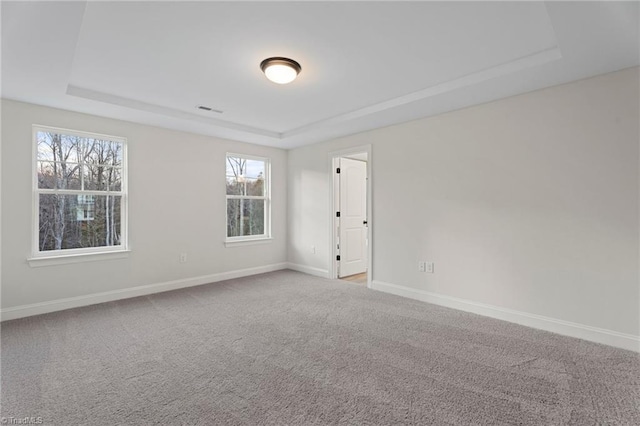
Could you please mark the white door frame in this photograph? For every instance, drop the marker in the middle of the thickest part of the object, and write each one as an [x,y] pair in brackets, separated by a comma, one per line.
[333,156]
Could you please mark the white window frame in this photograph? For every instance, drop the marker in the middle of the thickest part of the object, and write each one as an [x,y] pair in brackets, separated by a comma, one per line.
[230,241]
[77,254]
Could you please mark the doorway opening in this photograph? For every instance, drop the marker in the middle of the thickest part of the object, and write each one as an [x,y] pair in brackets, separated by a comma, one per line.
[351,213]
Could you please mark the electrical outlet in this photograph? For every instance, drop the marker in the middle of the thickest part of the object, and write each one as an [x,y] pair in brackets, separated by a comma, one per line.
[183,257]
[422,266]
[313,249]
[430,267]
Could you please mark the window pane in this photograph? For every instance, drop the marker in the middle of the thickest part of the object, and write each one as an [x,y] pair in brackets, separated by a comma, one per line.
[46,175]
[233,166]
[58,175]
[236,166]
[79,221]
[99,178]
[58,147]
[45,146]
[254,169]
[253,217]
[114,177]
[245,217]
[255,187]
[233,218]
[102,152]
[234,186]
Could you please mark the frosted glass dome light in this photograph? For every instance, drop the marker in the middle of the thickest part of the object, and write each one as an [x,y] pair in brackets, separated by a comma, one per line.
[280,70]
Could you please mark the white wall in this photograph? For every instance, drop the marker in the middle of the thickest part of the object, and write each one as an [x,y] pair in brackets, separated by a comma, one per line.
[176,204]
[528,203]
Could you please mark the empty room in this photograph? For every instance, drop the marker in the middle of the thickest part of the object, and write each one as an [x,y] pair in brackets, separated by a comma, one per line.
[320,213]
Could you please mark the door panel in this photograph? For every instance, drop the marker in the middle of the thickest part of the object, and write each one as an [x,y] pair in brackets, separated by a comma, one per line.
[353,211]
[353,248]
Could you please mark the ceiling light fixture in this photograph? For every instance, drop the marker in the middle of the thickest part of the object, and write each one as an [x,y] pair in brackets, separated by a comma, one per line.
[280,70]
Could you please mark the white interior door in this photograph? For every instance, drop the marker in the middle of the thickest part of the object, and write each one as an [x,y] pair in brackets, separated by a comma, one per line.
[352,241]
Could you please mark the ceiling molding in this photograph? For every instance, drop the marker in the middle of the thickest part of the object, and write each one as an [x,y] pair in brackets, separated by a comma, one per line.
[529,61]
[157,109]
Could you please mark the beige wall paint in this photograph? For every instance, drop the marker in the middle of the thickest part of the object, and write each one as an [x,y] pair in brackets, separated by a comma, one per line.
[528,203]
[176,204]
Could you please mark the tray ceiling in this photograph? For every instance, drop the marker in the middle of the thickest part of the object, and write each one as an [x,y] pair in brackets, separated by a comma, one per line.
[364,64]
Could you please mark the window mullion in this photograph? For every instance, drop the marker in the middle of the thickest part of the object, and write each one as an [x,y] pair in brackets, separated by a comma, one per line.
[241,216]
[246,197]
[78,192]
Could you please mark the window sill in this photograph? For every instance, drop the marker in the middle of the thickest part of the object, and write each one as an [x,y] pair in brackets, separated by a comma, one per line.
[242,243]
[37,262]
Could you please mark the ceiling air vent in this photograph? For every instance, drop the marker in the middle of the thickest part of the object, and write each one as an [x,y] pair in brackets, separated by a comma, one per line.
[208,109]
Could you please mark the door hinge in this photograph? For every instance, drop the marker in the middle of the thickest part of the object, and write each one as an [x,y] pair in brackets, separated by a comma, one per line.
[338,170]
[337,214]
[338,257]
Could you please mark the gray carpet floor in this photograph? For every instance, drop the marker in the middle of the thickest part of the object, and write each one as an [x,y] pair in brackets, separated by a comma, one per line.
[287,348]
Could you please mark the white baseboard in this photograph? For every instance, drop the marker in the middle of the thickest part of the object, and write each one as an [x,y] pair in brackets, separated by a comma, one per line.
[566,328]
[125,293]
[323,273]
